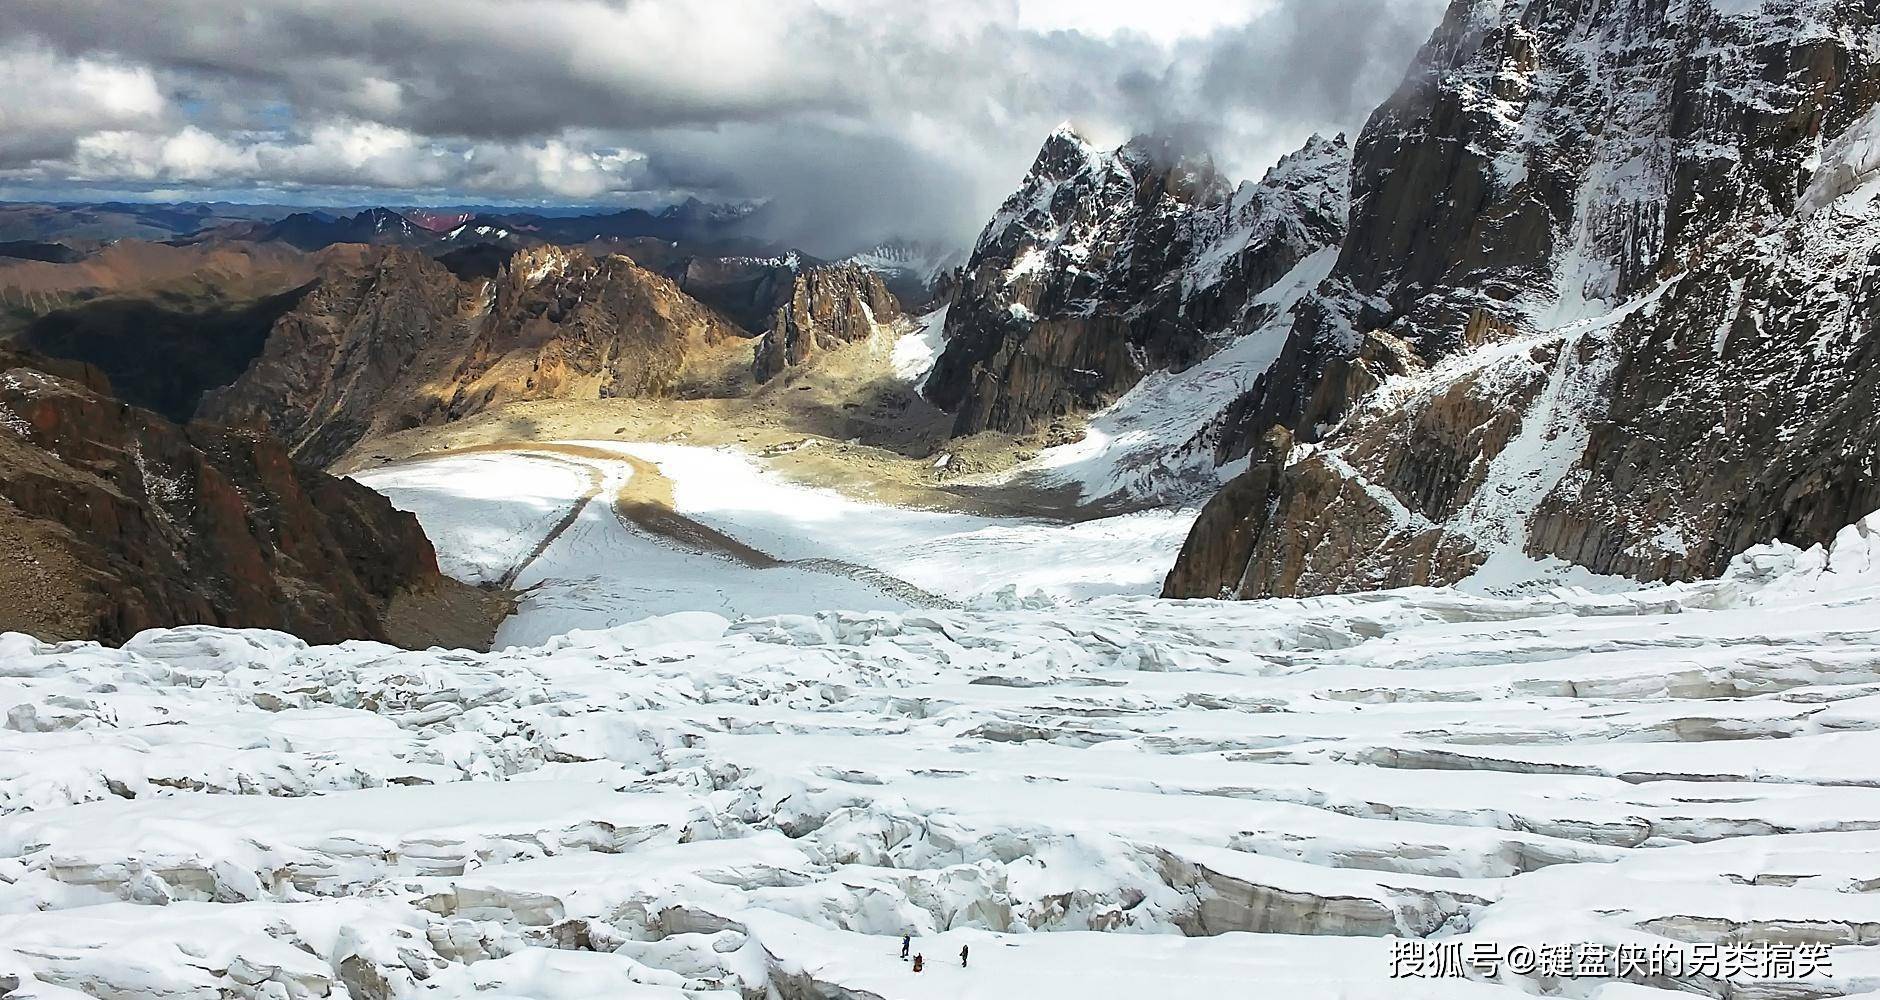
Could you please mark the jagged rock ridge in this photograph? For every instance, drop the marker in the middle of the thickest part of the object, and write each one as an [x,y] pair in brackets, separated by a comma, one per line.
[828,307]
[1104,266]
[1595,305]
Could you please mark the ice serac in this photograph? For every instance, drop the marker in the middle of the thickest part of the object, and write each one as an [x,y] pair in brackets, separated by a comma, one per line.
[1097,798]
[126,521]
[1106,266]
[828,307]
[397,341]
[1602,301]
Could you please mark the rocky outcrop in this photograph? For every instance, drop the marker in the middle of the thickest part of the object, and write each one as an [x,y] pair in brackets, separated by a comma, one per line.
[138,523]
[1222,542]
[348,358]
[1103,267]
[561,324]
[828,307]
[397,341]
[1618,253]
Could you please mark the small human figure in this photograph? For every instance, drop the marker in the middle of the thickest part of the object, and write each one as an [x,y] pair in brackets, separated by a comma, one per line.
[917,963]
[962,956]
[907,941]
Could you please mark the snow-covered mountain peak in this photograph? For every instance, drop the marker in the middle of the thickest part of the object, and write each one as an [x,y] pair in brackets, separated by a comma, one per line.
[1319,161]
[1591,307]
[1141,260]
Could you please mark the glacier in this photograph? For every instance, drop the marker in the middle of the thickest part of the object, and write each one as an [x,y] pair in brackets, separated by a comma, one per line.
[1101,796]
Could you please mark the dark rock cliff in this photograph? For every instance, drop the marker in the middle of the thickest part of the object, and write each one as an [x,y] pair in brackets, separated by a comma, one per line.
[1588,309]
[138,523]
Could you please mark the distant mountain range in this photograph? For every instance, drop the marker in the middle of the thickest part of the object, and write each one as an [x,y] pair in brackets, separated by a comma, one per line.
[83,225]
[716,253]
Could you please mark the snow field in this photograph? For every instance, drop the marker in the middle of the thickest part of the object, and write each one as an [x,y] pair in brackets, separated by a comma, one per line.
[487,513]
[483,513]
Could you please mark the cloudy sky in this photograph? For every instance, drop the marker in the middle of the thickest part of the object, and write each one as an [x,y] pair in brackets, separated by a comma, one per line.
[856,119]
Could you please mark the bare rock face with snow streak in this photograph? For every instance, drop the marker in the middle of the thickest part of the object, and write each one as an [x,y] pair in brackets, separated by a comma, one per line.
[1621,248]
[1105,266]
[118,520]
[398,341]
[828,307]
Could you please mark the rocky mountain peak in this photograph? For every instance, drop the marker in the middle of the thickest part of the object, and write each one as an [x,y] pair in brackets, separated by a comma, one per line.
[1164,165]
[1064,155]
[532,266]
[396,340]
[829,306]
[314,230]
[1311,166]
[1614,249]
[1104,266]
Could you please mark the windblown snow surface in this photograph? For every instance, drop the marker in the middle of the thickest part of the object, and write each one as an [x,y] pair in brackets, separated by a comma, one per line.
[1111,797]
[833,551]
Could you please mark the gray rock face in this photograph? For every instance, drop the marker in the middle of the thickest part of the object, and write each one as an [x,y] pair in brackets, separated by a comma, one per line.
[748,290]
[1105,266]
[828,307]
[1633,330]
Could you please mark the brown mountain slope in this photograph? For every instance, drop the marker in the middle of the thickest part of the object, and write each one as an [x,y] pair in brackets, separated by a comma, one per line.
[116,520]
[178,278]
[394,340]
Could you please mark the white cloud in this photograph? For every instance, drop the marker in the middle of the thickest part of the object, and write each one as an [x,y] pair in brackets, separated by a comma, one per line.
[1164,20]
[869,116]
[47,100]
[354,154]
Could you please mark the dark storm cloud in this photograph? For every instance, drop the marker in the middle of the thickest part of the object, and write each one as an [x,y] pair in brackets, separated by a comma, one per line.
[1339,57]
[857,119]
